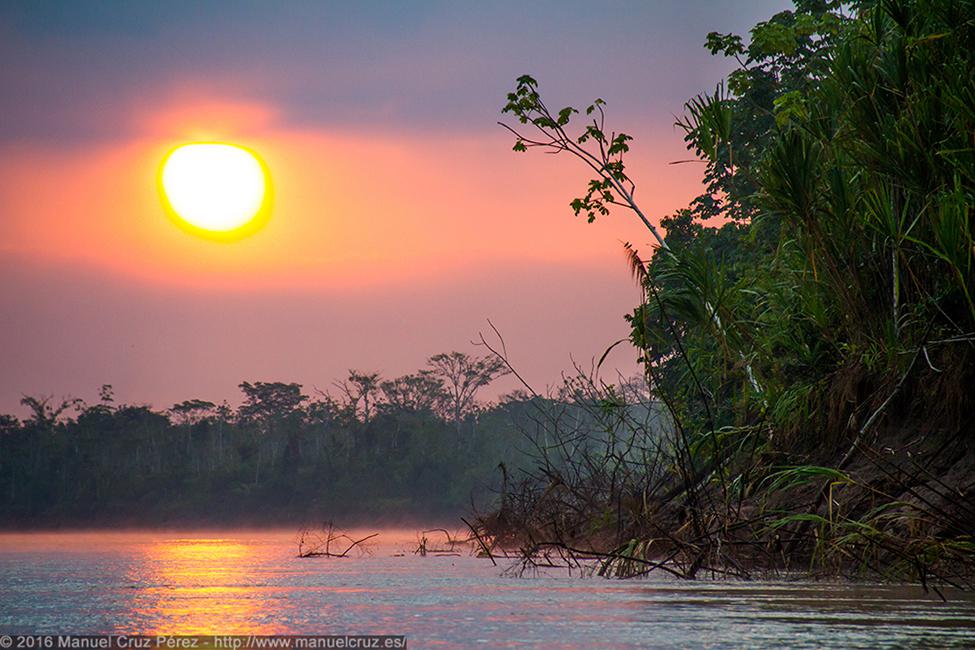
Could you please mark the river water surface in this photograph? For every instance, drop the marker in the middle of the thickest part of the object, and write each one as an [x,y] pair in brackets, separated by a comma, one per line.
[252,582]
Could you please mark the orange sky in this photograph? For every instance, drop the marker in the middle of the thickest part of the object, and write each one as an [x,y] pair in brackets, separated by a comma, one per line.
[401,219]
[356,217]
[350,209]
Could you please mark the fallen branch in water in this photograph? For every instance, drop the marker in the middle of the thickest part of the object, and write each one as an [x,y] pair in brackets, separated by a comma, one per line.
[484,547]
[424,546]
[320,543]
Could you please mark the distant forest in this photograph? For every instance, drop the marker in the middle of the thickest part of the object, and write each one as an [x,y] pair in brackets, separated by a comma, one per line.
[420,445]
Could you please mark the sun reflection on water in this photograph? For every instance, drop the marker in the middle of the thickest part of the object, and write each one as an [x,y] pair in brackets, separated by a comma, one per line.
[202,586]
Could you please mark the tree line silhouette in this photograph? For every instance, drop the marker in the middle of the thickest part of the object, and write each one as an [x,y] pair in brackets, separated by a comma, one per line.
[417,445]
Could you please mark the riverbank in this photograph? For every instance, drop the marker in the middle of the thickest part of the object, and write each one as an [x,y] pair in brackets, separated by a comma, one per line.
[894,508]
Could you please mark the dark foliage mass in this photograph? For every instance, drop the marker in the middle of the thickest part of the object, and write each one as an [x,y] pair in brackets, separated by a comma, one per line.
[415,446]
[809,320]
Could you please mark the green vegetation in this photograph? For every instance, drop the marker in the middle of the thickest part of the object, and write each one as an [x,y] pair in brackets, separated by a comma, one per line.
[415,446]
[809,320]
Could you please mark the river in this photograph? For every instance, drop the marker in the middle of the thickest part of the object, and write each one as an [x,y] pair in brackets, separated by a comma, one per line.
[230,582]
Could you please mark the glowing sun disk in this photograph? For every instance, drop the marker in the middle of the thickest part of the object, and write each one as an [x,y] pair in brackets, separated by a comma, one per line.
[216,188]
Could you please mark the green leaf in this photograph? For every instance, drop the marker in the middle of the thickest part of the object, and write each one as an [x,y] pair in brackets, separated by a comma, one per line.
[727,44]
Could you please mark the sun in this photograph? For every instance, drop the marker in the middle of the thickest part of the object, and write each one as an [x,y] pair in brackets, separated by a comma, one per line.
[216,190]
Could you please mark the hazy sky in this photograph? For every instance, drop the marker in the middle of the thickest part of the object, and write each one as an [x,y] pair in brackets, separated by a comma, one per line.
[401,219]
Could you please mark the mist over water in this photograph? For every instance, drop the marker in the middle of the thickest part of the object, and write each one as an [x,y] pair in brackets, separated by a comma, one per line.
[251,581]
